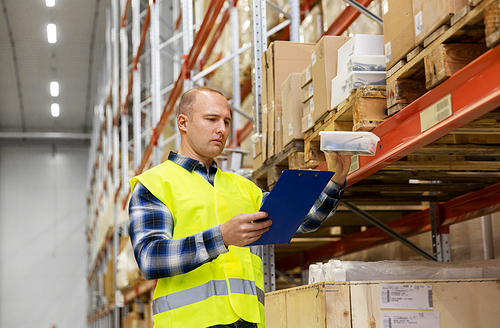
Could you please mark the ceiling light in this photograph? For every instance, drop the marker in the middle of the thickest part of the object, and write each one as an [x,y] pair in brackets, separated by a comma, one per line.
[54,88]
[50,3]
[51,33]
[54,109]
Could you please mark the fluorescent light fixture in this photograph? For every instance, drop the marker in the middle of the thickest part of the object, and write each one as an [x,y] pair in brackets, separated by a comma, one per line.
[51,33]
[50,3]
[54,109]
[54,88]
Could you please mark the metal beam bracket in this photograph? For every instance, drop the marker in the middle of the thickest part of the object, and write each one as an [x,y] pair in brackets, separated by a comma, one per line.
[388,230]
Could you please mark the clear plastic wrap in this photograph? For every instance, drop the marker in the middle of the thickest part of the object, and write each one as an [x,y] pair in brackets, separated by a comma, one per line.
[336,270]
[126,267]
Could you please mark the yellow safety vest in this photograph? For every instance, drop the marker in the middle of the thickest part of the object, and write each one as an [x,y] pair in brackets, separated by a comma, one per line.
[221,291]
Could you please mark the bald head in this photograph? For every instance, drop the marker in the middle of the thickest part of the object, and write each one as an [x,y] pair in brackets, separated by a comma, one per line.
[188,100]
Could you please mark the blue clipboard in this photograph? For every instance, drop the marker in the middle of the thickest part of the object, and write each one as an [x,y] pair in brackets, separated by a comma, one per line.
[289,202]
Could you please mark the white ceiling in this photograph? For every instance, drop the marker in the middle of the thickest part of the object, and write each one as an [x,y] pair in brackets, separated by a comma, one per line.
[27,20]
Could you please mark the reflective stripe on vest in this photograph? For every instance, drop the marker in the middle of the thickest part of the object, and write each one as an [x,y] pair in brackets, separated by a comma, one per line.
[200,293]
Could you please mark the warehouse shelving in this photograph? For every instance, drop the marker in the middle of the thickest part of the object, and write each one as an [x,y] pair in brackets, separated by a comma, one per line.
[474,91]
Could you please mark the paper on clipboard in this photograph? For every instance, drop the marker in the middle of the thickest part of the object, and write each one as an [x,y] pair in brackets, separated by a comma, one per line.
[289,202]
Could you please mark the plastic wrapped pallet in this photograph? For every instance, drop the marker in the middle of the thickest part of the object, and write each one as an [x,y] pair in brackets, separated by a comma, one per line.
[390,270]
[127,269]
[311,27]
[331,10]
[364,24]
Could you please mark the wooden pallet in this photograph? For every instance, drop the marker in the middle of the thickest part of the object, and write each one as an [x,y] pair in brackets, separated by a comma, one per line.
[363,110]
[452,46]
[292,157]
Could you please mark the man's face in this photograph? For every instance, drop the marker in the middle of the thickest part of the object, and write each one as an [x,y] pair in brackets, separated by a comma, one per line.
[208,128]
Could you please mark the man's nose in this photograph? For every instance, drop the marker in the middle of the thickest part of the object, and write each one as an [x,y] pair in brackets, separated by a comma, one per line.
[221,127]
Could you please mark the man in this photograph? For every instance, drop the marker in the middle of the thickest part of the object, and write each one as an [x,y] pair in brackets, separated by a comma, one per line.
[190,221]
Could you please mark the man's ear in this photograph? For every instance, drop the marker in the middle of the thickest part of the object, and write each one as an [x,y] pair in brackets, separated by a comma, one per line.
[182,121]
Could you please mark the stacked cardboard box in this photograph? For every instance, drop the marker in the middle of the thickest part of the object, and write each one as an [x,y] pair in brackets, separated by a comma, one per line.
[257,154]
[292,108]
[324,69]
[428,15]
[399,31]
[307,91]
[281,59]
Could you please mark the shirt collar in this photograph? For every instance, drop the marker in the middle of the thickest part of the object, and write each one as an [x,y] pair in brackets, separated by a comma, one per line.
[188,163]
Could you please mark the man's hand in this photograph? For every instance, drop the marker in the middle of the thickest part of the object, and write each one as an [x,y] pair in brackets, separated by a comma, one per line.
[241,230]
[339,164]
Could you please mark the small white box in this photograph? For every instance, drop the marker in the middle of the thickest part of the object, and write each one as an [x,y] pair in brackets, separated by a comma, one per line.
[364,63]
[356,79]
[339,89]
[350,143]
[360,44]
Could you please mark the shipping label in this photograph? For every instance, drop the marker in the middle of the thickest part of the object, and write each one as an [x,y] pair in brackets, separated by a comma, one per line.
[405,296]
[410,319]
[419,23]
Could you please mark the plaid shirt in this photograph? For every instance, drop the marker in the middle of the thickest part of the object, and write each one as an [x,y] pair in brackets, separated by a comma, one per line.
[152,226]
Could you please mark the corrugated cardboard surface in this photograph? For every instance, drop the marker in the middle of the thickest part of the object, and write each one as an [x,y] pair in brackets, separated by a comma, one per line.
[265,92]
[307,91]
[305,77]
[283,58]
[433,13]
[324,69]
[271,120]
[278,132]
[287,57]
[292,109]
[399,31]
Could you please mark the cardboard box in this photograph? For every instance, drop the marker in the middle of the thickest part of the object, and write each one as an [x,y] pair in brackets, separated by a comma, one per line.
[305,76]
[264,132]
[283,58]
[257,162]
[257,148]
[307,123]
[278,133]
[324,69]
[452,303]
[308,107]
[307,91]
[399,30]
[271,125]
[265,92]
[148,315]
[428,15]
[292,109]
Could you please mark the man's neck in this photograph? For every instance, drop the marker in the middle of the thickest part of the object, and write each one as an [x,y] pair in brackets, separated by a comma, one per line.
[206,161]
